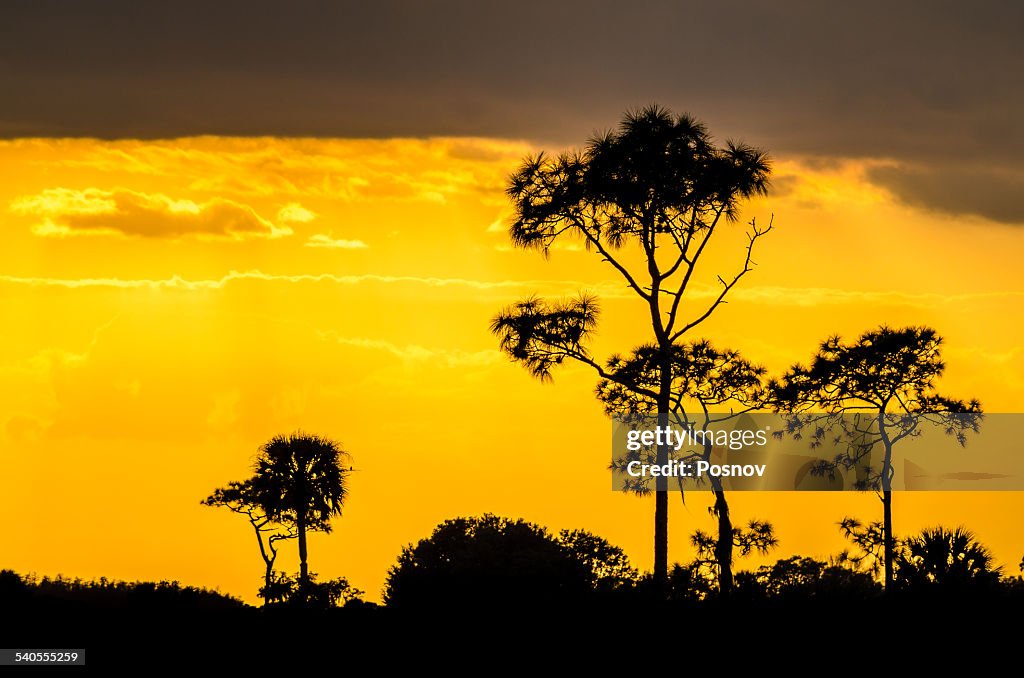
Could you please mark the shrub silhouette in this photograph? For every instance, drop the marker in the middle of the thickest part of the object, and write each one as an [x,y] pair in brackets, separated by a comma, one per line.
[799,578]
[937,560]
[608,565]
[492,561]
[167,596]
[287,590]
[690,582]
[13,590]
[948,559]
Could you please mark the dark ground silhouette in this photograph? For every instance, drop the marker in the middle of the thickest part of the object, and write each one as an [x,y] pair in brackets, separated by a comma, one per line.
[196,634]
[490,587]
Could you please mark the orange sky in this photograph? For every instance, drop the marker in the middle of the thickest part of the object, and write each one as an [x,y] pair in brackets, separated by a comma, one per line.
[169,306]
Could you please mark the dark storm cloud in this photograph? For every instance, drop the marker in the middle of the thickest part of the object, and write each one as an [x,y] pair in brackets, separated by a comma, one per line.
[995,195]
[928,83]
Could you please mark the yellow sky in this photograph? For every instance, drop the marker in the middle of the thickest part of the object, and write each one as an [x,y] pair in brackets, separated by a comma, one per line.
[169,306]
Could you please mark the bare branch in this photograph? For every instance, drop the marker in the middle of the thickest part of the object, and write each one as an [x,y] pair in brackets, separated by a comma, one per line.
[748,265]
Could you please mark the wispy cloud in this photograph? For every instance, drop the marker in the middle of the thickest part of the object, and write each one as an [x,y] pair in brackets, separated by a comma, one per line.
[431,170]
[607,289]
[322,240]
[178,282]
[44,360]
[818,296]
[416,353]
[92,211]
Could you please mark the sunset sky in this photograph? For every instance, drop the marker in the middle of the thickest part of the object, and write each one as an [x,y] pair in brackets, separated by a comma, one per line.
[221,224]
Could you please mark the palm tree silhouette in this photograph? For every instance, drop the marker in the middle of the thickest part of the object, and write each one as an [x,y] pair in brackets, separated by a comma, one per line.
[948,558]
[300,478]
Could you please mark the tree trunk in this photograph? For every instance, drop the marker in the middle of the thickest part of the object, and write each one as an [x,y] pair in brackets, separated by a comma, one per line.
[661,487]
[268,561]
[303,569]
[723,549]
[890,541]
[661,539]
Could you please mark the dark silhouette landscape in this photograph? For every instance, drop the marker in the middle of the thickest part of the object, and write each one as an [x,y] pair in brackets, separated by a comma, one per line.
[480,579]
[649,200]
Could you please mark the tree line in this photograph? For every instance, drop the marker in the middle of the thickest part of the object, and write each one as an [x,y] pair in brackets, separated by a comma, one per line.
[492,563]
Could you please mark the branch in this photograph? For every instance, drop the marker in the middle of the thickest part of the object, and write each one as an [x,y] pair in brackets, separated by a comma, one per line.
[747,267]
[604,374]
[692,266]
[596,242]
[680,259]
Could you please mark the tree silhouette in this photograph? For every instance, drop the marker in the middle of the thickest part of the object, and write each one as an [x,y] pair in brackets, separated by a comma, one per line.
[608,565]
[474,562]
[240,498]
[869,541]
[950,559]
[874,392]
[717,551]
[489,561]
[299,479]
[647,199]
[709,386]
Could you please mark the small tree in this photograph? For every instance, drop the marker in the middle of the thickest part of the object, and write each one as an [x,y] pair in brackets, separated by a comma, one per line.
[869,541]
[709,386]
[300,478]
[716,552]
[647,199]
[299,484]
[875,392]
[240,498]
